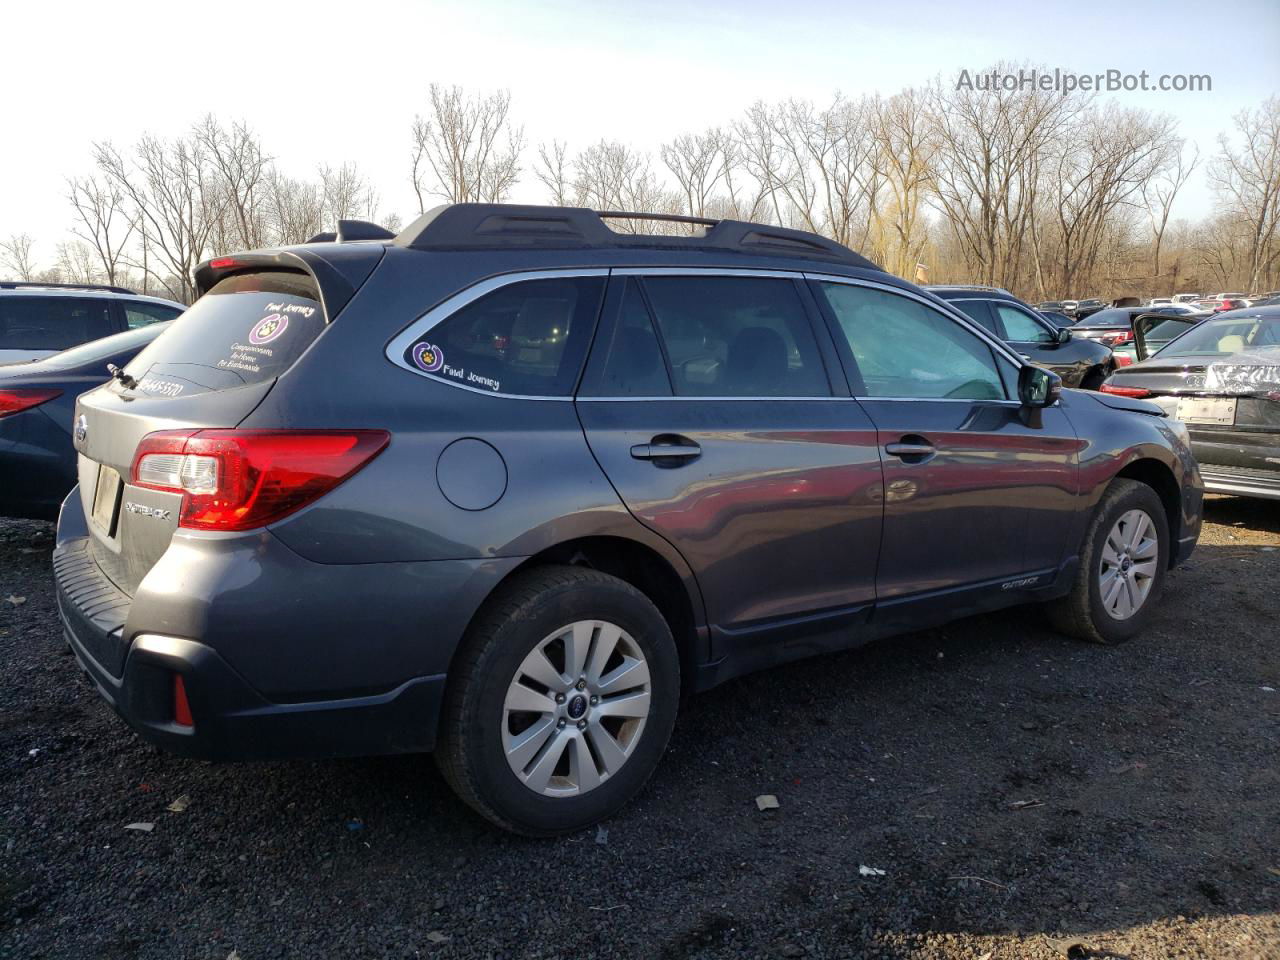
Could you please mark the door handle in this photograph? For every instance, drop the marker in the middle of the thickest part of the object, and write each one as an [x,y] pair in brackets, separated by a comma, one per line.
[671,448]
[912,449]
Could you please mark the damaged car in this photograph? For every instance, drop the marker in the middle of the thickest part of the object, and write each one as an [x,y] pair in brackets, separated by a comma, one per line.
[1221,377]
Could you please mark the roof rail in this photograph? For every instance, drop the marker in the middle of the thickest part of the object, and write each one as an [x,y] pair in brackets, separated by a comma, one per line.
[19,284]
[502,225]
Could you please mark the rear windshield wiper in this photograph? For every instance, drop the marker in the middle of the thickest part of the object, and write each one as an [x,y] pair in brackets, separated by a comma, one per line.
[117,374]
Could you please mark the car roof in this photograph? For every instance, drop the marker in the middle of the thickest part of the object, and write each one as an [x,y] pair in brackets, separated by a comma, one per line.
[85,292]
[971,291]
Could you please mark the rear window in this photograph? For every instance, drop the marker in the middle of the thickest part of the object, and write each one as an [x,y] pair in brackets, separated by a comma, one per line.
[1109,318]
[249,328]
[52,323]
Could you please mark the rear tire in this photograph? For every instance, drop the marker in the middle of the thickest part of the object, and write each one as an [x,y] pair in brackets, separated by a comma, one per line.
[1122,567]
[560,701]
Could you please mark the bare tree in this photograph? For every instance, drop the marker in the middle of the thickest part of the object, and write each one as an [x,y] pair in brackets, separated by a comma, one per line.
[176,193]
[986,171]
[105,222]
[904,155]
[347,194]
[697,163]
[613,176]
[465,149]
[295,209]
[78,262]
[814,165]
[554,169]
[1248,180]
[1109,156]
[241,166]
[1159,193]
[16,256]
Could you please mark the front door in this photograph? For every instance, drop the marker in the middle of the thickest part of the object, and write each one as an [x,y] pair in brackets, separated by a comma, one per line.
[978,495]
[708,402]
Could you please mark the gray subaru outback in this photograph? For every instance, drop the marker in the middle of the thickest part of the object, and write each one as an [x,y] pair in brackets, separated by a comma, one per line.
[505,486]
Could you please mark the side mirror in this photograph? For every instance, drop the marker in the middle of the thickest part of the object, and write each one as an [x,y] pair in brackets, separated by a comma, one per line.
[1064,334]
[1038,387]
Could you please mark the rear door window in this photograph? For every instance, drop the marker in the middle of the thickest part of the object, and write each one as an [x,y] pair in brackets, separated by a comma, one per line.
[52,323]
[249,328]
[978,311]
[633,364]
[737,337]
[525,339]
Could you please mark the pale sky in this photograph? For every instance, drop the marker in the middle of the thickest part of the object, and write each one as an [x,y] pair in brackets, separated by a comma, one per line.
[329,82]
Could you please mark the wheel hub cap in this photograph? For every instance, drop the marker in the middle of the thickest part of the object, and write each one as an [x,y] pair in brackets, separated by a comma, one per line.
[1128,566]
[576,708]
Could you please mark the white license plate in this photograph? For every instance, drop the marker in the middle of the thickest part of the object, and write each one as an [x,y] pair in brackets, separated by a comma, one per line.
[106,499]
[1219,410]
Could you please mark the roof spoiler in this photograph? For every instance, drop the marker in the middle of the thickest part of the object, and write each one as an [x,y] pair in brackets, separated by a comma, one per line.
[501,225]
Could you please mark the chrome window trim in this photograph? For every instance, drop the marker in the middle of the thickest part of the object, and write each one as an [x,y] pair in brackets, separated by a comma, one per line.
[991,403]
[450,305]
[705,271]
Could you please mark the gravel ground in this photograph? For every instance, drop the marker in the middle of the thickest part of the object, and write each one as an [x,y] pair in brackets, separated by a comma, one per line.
[1014,787]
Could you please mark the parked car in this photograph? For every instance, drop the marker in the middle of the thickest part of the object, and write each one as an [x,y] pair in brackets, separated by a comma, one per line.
[1050,306]
[1079,363]
[1230,303]
[1159,332]
[1114,325]
[396,494]
[1059,320]
[1185,297]
[1069,307]
[37,400]
[1160,301]
[39,319]
[1087,308]
[1221,377]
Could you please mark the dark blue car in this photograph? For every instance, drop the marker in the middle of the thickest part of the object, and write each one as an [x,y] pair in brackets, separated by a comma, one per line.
[37,405]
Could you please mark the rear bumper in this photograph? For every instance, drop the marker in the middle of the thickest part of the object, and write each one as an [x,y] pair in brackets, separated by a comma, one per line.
[280,657]
[1240,481]
[234,722]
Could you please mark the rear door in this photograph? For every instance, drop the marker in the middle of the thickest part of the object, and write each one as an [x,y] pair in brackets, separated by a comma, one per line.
[708,402]
[208,369]
[977,496]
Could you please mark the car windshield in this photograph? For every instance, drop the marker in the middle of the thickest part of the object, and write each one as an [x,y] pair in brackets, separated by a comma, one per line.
[1114,317]
[104,349]
[1223,337]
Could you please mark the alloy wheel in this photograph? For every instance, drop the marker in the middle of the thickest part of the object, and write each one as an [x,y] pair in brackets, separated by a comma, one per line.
[1127,569]
[576,708]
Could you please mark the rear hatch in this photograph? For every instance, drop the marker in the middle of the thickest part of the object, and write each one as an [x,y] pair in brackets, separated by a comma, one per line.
[211,368]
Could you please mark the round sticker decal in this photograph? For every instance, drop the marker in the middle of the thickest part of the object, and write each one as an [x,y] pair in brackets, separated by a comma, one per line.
[428,357]
[268,329]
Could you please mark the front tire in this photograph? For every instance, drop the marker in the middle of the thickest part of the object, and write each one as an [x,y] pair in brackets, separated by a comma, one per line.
[560,701]
[1122,567]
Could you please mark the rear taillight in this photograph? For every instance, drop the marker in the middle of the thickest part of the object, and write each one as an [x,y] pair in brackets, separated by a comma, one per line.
[1124,336]
[1124,391]
[1123,359]
[24,398]
[241,479]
